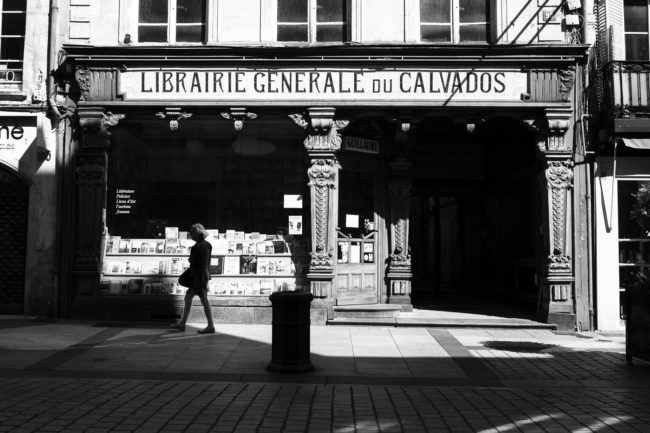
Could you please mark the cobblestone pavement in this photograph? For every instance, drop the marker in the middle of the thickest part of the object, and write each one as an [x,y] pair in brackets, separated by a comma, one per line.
[92,377]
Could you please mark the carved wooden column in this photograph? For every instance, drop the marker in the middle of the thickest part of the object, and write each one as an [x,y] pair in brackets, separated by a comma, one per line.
[91,179]
[322,145]
[400,184]
[557,300]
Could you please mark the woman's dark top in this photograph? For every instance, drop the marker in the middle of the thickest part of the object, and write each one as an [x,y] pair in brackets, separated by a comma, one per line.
[200,264]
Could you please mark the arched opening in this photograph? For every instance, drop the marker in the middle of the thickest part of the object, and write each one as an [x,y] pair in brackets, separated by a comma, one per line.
[14,195]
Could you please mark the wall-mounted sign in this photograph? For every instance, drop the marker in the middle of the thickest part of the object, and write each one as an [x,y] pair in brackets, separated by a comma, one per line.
[17,134]
[363,145]
[357,86]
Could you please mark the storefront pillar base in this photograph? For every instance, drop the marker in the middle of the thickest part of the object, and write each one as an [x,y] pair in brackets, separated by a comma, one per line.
[399,289]
[556,304]
[322,306]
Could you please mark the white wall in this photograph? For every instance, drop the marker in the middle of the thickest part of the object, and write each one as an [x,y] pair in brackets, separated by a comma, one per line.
[98,22]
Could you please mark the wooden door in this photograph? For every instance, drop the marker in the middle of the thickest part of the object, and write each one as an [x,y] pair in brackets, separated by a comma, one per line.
[357,248]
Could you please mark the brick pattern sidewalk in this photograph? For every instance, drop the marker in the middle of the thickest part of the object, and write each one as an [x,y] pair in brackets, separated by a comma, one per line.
[102,405]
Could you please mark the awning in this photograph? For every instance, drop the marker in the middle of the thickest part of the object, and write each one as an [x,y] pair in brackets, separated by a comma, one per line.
[636,143]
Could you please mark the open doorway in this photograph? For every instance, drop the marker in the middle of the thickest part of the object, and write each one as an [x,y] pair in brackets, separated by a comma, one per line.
[475,214]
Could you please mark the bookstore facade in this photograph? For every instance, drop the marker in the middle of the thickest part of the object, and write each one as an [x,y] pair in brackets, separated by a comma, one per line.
[364,178]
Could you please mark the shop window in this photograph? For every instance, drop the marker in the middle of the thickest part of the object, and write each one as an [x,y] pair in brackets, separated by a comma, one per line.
[634,235]
[454,21]
[248,188]
[12,40]
[635,16]
[312,20]
[172,21]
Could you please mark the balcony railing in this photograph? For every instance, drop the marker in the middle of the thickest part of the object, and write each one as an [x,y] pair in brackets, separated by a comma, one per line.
[626,86]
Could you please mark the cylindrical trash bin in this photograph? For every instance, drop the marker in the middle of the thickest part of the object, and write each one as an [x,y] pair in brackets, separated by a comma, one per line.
[290,351]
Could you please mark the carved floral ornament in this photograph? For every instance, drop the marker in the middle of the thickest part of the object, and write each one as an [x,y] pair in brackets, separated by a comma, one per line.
[91,172]
[558,263]
[322,173]
[82,76]
[238,116]
[559,174]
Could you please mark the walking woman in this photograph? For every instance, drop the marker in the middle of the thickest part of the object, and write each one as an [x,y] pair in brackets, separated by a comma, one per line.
[200,267]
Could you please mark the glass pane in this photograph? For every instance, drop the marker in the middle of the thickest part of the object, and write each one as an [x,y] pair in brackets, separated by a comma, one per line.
[152,34]
[190,11]
[153,11]
[292,11]
[430,33]
[633,209]
[343,252]
[473,11]
[11,48]
[14,5]
[190,33]
[636,15]
[13,24]
[435,11]
[636,47]
[330,10]
[330,33]
[474,33]
[293,33]
[356,205]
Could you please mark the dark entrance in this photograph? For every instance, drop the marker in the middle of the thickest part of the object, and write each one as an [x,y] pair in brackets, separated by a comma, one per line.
[14,195]
[475,213]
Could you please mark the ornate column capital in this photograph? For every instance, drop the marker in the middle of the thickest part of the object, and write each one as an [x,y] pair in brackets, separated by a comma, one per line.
[94,124]
[558,120]
[322,128]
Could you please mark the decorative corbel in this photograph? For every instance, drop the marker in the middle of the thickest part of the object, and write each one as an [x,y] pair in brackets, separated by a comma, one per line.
[173,112]
[323,130]
[82,77]
[566,77]
[238,115]
[558,124]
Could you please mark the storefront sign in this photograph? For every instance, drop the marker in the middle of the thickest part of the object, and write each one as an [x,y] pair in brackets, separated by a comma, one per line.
[16,136]
[330,85]
[362,145]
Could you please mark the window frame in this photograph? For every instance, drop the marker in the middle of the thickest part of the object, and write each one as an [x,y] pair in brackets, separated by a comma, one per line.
[313,23]
[456,25]
[172,25]
[21,61]
[645,33]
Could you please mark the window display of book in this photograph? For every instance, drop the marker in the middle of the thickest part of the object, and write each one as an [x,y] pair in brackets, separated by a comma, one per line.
[242,264]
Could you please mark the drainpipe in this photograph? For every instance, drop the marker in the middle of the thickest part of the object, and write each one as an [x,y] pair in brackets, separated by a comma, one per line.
[589,229]
[55,117]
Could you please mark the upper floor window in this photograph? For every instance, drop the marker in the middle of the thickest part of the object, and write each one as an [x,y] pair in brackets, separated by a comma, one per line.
[635,15]
[312,20]
[172,21]
[12,40]
[454,21]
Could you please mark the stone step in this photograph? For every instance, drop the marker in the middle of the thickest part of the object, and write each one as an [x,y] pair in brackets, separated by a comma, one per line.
[371,311]
[441,323]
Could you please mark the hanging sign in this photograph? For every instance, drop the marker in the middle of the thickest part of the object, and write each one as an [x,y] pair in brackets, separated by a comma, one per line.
[363,145]
[360,85]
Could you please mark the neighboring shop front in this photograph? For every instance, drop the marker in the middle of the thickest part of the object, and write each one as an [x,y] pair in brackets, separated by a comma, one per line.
[362,181]
[25,167]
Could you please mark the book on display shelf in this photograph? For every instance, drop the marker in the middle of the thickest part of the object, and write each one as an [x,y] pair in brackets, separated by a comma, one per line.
[231,265]
[248,265]
[171,246]
[136,246]
[160,246]
[124,246]
[216,265]
[171,232]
